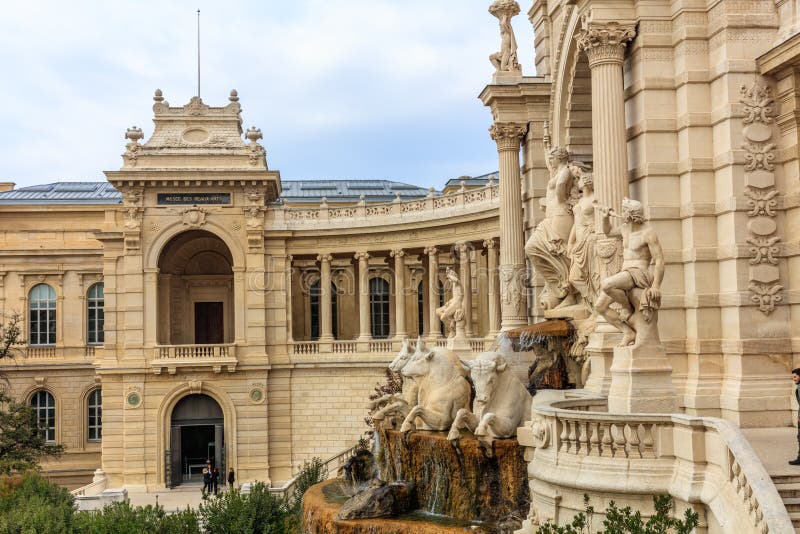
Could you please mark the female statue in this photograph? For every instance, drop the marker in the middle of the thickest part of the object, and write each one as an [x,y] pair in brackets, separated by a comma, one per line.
[547,246]
[583,275]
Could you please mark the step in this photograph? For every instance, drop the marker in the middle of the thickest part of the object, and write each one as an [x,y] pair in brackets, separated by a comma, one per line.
[785,479]
[788,490]
[792,505]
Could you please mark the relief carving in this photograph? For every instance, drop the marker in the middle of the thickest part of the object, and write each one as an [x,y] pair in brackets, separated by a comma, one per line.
[761,193]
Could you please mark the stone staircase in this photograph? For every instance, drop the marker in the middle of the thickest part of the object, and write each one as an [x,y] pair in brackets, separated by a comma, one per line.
[788,487]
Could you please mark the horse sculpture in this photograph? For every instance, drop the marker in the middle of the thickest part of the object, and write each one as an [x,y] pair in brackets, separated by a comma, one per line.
[501,402]
[443,388]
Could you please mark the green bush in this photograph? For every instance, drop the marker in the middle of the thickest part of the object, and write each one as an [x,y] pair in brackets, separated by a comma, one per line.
[256,512]
[122,518]
[31,504]
[627,521]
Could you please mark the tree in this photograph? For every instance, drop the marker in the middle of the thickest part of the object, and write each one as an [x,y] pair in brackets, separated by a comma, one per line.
[22,444]
[10,337]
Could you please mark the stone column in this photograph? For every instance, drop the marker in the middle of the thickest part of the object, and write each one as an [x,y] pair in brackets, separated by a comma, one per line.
[512,271]
[434,328]
[399,293]
[289,310]
[326,325]
[364,326]
[465,271]
[492,282]
[604,45]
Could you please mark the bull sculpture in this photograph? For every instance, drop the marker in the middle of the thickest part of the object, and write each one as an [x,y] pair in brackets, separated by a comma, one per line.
[398,403]
[501,402]
[443,388]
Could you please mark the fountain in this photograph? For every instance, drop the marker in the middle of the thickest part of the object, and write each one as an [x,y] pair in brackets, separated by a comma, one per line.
[431,480]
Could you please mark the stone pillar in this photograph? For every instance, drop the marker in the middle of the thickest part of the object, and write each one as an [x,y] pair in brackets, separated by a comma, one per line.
[399,293]
[493,285]
[434,328]
[512,271]
[604,45]
[465,271]
[326,324]
[364,326]
[289,308]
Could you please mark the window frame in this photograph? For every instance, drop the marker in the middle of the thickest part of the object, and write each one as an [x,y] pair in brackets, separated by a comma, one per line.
[50,414]
[99,319]
[98,415]
[380,310]
[50,313]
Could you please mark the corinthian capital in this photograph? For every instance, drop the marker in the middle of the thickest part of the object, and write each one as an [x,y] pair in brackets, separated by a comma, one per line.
[604,42]
[508,135]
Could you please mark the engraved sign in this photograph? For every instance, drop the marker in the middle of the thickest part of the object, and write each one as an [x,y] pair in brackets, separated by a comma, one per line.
[173,199]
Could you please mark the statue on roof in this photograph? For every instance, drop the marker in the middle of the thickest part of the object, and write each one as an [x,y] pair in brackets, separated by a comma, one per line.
[506,59]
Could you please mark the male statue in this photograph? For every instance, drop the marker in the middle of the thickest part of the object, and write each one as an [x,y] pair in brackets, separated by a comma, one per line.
[641,248]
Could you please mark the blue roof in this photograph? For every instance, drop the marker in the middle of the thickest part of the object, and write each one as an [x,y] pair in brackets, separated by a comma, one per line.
[293,191]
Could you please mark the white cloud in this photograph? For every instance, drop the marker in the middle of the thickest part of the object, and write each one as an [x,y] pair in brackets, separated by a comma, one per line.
[81,72]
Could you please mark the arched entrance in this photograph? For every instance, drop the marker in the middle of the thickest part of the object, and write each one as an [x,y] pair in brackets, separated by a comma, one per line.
[195,290]
[197,435]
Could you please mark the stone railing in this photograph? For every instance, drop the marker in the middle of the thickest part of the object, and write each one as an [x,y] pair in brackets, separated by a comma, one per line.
[380,346]
[36,352]
[217,357]
[373,346]
[575,446]
[332,466]
[363,214]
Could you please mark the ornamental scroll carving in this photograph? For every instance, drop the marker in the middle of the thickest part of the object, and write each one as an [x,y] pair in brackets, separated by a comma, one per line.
[761,193]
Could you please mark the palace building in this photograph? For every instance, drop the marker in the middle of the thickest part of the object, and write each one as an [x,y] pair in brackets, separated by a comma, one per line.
[195,305]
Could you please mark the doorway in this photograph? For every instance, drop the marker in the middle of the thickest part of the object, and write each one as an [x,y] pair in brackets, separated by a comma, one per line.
[209,326]
[197,435]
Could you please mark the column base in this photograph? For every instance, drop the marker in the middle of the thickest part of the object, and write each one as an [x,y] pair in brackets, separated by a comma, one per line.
[600,352]
[641,381]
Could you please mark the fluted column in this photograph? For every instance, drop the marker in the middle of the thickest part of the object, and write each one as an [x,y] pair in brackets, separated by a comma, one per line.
[465,270]
[399,293]
[493,286]
[435,328]
[604,44]
[326,326]
[512,270]
[364,326]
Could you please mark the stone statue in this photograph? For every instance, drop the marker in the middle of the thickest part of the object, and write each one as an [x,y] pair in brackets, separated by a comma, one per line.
[506,59]
[501,402]
[452,313]
[583,274]
[637,287]
[547,246]
[403,402]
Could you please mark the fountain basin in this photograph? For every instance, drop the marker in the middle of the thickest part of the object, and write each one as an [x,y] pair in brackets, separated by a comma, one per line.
[321,504]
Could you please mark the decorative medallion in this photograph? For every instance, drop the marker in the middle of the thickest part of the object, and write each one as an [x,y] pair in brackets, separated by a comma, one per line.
[257,394]
[133,398]
[194,216]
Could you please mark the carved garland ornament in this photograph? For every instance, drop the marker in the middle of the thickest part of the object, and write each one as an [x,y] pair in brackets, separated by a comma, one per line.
[761,193]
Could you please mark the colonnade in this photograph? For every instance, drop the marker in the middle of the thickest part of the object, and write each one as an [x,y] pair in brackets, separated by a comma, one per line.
[429,262]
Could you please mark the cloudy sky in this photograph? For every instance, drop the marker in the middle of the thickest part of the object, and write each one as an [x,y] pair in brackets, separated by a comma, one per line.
[340,88]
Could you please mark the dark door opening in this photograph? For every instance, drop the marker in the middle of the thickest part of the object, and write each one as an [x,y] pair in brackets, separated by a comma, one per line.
[197,435]
[208,323]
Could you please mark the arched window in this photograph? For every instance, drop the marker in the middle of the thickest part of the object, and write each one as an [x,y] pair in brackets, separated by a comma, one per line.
[43,406]
[95,415]
[42,308]
[420,310]
[315,299]
[379,307]
[96,315]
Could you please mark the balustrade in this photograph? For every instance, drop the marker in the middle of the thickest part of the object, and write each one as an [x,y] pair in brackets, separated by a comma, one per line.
[170,357]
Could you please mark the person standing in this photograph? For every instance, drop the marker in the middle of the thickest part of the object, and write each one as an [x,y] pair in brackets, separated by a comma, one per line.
[231,478]
[206,480]
[215,479]
[796,380]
